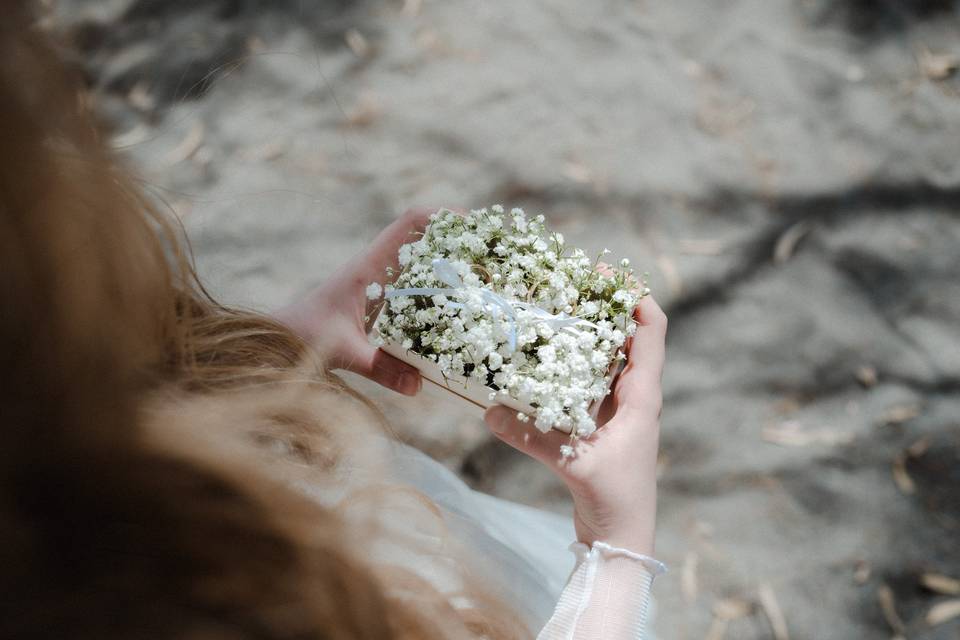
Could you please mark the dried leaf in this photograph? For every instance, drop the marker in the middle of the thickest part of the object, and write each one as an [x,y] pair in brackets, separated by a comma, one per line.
[889,608]
[792,434]
[788,405]
[919,447]
[187,147]
[938,66]
[900,476]
[867,375]
[264,152]
[578,172]
[357,43]
[131,137]
[139,97]
[898,414]
[940,583]
[787,242]
[366,112]
[255,44]
[688,576]
[942,612]
[701,247]
[731,608]
[768,600]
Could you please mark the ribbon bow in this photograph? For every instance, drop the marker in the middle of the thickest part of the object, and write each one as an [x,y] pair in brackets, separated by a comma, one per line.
[500,307]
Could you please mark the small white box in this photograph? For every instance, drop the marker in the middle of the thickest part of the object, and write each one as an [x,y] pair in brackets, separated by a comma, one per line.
[468,388]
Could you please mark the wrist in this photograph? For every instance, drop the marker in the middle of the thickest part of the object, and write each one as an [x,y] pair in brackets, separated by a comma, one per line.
[637,537]
[636,544]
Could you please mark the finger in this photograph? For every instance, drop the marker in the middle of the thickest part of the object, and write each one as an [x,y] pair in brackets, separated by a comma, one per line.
[604,269]
[648,345]
[383,252]
[608,271]
[641,377]
[525,437]
[370,362]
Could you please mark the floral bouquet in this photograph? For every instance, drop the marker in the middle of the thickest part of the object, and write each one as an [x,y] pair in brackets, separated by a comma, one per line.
[494,308]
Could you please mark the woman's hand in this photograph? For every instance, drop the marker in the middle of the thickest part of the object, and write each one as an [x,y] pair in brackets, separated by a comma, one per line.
[334,316]
[612,473]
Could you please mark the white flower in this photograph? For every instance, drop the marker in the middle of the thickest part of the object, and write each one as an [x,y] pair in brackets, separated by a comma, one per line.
[399,303]
[405,255]
[374,290]
[559,372]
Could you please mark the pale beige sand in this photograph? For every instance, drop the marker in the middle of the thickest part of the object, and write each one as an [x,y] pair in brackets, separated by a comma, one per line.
[787,171]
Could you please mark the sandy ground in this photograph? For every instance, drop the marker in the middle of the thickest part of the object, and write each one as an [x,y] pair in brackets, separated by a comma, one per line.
[787,171]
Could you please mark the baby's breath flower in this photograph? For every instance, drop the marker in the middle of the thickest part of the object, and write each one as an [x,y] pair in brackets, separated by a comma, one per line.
[558,368]
[374,290]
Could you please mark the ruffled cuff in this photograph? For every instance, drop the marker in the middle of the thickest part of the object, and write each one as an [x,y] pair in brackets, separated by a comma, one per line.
[607,595]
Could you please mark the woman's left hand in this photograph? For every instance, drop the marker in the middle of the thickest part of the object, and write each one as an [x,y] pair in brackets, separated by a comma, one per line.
[336,317]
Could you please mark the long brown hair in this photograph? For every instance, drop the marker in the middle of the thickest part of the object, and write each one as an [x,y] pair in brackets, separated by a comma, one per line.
[145,488]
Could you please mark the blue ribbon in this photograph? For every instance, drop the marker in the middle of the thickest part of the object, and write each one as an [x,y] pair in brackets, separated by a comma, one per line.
[499,306]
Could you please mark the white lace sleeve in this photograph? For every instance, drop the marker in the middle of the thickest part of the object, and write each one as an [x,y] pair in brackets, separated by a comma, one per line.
[607,595]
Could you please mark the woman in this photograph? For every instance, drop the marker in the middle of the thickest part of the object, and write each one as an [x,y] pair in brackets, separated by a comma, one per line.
[175,468]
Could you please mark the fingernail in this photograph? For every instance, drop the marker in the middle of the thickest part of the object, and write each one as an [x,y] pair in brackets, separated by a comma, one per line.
[497,421]
[409,383]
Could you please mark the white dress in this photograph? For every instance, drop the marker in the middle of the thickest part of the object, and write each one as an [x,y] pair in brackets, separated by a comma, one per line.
[598,592]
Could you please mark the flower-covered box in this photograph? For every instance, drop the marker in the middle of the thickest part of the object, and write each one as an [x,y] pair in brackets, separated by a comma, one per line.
[492,307]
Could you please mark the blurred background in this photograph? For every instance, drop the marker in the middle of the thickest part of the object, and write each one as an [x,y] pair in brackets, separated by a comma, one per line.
[787,171]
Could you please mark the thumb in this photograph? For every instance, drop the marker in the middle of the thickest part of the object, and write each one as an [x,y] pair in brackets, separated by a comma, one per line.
[524,437]
[359,356]
[640,380]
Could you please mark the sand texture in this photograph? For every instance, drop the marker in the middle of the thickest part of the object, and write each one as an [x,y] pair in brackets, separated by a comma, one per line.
[788,172]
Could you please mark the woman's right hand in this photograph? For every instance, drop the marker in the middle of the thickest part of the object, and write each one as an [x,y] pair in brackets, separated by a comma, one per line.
[612,473]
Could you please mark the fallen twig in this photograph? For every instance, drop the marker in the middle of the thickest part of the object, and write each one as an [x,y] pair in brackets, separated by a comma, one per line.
[768,600]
